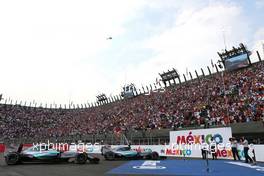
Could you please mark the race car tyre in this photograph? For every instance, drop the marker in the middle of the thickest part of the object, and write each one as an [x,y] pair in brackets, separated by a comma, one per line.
[109,156]
[81,158]
[12,158]
[148,157]
[94,160]
[154,155]
[162,157]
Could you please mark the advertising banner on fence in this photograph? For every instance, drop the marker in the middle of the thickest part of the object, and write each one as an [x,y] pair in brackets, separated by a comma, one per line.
[220,135]
[180,139]
[167,150]
[189,143]
[259,150]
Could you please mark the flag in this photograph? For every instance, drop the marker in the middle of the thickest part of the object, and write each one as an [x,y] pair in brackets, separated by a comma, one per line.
[187,73]
[147,88]
[157,80]
[117,132]
[143,89]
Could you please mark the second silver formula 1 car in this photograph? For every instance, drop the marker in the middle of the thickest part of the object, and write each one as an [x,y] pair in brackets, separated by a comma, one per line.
[47,154]
[125,152]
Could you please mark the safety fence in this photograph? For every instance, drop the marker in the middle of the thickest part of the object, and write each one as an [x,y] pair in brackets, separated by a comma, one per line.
[185,143]
[170,151]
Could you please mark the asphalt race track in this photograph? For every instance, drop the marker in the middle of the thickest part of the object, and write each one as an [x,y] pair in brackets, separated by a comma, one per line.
[138,167]
[61,169]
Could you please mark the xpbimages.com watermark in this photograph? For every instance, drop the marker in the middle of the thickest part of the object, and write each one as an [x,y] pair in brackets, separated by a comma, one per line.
[96,147]
[80,146]
[202,146]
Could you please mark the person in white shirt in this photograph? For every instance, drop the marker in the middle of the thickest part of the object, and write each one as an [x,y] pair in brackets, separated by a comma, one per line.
[246,148]
[213,148]
[233,142]
[204,149]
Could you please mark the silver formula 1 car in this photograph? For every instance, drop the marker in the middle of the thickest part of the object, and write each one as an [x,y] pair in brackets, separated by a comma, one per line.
[124,152]
[47,154]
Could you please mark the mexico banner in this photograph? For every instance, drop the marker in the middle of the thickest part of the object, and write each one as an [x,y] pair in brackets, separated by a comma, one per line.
[220,135]
[189,143]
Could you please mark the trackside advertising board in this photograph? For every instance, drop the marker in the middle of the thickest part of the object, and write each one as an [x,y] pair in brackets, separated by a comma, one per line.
[188,143]
[165,150]
[220,135]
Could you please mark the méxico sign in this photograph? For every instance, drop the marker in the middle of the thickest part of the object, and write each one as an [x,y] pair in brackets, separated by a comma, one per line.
[188,143]
[220,135]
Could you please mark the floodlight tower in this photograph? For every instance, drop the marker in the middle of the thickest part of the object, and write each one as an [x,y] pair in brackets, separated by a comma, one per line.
[129,91]
[101,99]
[170,75]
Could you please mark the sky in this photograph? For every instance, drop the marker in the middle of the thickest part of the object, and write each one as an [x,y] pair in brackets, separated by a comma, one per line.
[56,51]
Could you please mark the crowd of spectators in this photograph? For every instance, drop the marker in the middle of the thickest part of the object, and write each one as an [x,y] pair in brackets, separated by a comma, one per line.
[218,99]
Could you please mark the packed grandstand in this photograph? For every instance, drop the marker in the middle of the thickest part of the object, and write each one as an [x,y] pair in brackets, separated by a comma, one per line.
[222,98]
